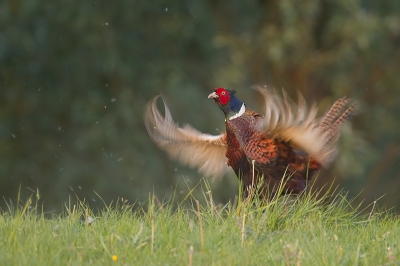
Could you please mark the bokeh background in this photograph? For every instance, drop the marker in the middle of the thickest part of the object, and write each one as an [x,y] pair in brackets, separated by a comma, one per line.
[75,77]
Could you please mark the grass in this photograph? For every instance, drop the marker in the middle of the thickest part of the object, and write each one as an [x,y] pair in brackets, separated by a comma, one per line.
[306,231]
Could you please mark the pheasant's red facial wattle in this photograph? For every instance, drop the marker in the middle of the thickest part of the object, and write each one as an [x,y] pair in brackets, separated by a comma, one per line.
[224,95]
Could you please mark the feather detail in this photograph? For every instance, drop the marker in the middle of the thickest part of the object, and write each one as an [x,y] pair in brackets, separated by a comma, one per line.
[297,124]
[293,123]
[188,145]
[333,112]
[331,122]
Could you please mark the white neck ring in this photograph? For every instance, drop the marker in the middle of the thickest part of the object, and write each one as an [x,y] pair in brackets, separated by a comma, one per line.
[240,113]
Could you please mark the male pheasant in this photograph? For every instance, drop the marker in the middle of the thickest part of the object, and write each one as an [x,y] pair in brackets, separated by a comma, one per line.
[288,143]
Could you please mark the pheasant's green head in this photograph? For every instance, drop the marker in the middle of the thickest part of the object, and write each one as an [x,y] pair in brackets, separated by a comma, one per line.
[227,101]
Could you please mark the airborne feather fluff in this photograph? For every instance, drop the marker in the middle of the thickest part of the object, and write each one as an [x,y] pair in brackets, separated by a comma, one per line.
[288,141]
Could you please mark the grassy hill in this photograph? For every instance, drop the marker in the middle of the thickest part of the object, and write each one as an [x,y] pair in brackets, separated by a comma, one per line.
[304,231]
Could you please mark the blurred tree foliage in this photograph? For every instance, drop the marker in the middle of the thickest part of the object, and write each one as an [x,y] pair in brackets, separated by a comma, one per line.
[76,75]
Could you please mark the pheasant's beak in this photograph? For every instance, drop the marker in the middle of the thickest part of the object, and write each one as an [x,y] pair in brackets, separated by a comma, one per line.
[213,96]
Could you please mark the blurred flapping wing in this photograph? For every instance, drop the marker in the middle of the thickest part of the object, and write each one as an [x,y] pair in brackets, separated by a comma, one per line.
[188,145]
[293,122]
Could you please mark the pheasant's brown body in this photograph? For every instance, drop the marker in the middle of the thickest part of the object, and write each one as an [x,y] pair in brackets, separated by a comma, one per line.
[286,144]
[273,158]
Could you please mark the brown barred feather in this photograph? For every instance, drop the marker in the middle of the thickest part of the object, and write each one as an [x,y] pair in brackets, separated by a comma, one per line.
[332,132]
[333,112]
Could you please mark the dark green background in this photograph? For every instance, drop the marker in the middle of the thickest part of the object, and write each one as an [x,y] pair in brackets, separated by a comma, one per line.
[75,77]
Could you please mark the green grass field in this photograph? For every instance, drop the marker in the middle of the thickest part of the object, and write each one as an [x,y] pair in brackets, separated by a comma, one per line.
[304,232]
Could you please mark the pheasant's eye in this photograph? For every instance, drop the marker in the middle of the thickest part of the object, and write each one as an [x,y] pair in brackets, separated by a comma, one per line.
[223,93]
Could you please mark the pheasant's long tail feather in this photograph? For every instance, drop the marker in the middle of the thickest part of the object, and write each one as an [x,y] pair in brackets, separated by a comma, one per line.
[330,124]
[332,132]
[333,112]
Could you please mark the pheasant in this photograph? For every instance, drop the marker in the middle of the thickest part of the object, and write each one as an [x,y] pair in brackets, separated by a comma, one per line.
[275,153]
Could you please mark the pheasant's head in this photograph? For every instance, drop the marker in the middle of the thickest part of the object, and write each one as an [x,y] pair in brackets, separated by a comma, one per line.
[227,101]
